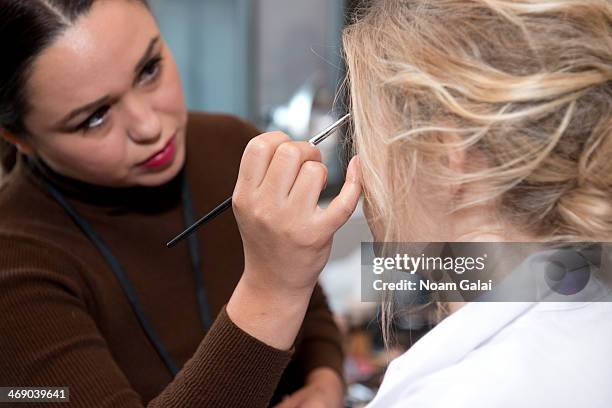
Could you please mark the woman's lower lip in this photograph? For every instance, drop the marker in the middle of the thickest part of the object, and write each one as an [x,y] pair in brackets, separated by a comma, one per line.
[162,158]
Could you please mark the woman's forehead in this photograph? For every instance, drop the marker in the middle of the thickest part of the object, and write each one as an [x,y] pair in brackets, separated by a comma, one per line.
[94,57]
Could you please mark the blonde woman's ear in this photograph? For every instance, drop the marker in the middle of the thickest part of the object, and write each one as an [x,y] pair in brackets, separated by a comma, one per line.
[19,142]
[456,151]
[455,156]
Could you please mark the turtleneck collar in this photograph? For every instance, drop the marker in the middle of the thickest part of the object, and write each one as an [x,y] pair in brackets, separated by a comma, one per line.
[138,199]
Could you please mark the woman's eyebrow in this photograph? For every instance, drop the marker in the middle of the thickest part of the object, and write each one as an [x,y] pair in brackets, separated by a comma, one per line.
[147,55]
[105,99]
[83,109]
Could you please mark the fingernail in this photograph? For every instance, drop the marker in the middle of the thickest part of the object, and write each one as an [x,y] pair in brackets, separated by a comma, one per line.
[352,172]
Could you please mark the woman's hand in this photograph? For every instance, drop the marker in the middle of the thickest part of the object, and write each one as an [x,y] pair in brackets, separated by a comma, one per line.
[324,389]
[286,236]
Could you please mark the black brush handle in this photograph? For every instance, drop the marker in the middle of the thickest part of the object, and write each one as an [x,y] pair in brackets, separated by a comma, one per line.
[208,217]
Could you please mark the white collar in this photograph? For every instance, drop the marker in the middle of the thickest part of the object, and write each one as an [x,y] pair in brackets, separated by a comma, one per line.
[449,342]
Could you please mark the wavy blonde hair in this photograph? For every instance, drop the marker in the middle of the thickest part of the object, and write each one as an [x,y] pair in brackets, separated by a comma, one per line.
[524,86]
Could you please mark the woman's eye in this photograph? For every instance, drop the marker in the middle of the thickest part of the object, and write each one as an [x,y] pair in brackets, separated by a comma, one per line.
[95,120]
[151,70]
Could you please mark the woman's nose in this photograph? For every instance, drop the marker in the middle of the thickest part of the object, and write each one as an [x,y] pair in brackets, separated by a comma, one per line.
[144,124]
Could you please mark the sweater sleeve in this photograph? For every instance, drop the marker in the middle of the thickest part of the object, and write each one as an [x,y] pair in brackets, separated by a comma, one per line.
[320,341]
[50,338]
[319,344]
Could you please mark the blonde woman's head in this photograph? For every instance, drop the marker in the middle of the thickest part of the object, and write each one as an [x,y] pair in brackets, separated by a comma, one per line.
[470,108]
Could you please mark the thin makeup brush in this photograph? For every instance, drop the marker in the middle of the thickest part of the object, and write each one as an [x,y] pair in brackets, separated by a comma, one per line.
[324,134]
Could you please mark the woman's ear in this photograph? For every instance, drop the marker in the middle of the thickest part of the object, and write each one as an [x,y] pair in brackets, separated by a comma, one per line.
[455,156]
[456,160]
[19,142]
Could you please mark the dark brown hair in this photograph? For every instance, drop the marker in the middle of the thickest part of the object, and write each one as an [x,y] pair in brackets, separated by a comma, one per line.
[27,27]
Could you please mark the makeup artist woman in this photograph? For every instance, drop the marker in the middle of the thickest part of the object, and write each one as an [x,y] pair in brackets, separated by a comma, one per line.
[111,166]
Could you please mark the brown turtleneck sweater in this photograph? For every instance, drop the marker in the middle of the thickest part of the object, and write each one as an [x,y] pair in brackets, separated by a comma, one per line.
[65,321]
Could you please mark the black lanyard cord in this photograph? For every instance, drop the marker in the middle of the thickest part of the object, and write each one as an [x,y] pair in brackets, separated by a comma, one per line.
[196,263]
[126,284]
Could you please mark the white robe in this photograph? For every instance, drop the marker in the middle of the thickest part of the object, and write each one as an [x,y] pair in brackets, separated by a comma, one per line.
[493,355]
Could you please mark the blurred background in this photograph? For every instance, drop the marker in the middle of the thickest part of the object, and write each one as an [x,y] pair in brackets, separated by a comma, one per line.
[278,64]
[249,56]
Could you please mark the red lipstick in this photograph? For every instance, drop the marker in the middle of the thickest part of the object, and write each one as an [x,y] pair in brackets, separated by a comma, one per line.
[162,157]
